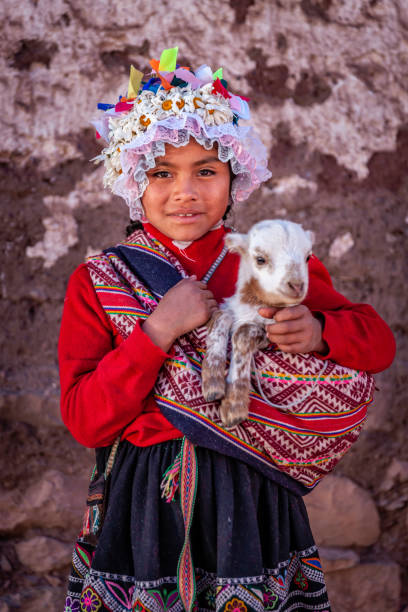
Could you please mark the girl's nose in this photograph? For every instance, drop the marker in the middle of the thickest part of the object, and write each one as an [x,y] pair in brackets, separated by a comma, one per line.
[184,189]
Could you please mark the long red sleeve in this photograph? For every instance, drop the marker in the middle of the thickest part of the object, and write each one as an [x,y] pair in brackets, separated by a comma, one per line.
[104,380]
[356,335]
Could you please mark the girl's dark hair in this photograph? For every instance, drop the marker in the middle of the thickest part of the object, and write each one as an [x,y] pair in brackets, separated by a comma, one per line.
[133,226]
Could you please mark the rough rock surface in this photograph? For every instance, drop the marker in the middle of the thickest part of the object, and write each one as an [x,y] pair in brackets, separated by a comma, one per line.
[335,559]
[43,554]
[54,501]
[342,514]
[365,588]
[328,86]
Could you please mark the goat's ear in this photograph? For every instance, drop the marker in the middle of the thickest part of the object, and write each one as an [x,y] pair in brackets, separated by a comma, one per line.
[311,236]
[236,243]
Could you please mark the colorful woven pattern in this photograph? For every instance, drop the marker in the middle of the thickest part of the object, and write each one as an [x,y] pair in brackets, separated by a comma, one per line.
[300,440]
[297,579]
[188,487]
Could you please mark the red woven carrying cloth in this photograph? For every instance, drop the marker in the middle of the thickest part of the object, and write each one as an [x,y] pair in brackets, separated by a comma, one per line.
[301,441]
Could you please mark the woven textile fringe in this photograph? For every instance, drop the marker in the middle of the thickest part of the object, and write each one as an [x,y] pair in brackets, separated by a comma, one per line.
[171,479]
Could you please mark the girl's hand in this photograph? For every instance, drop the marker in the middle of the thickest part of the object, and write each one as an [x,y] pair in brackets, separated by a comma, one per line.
[296,330]
[185,306]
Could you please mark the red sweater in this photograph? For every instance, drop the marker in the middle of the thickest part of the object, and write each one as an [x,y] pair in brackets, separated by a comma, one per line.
[106,381]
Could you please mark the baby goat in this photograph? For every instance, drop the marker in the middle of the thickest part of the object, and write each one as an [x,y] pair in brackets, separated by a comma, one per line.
[272,272]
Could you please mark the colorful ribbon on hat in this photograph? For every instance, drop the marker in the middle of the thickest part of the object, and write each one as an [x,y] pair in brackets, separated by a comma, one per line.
[169,74]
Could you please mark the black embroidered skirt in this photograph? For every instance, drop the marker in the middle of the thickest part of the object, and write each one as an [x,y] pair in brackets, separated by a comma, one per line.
[251,542]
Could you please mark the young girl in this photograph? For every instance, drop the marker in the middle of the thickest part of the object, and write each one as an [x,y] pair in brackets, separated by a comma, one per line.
[178,156]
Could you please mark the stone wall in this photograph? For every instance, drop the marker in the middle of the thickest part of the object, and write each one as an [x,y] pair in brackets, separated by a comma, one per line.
[328,86]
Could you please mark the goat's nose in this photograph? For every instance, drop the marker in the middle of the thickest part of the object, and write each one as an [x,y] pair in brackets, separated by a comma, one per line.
[296,287]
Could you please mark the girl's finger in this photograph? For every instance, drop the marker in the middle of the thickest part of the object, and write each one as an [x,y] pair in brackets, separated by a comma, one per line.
[201,285]
[289,314]
[267,313]
[288,327]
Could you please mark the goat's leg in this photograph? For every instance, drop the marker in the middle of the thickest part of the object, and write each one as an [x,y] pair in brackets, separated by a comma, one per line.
[213,366]
[245,341]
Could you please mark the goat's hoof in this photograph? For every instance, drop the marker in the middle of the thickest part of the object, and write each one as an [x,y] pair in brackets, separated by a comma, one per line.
[213,380]
[214,396]
[233,412]
[213,388]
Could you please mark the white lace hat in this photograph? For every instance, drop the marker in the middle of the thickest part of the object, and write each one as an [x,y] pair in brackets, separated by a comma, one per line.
[171,107]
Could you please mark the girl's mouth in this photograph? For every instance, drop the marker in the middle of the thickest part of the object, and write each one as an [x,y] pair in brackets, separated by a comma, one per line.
[185,216]
[184,213]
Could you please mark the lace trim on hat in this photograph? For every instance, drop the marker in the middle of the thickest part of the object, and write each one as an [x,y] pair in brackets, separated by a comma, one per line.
[237,145]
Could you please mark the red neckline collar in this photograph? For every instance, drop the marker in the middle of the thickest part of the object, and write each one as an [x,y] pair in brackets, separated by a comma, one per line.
[199,255]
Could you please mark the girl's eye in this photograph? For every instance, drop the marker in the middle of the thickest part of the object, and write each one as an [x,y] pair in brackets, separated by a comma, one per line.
[261,261]
[206,172]
[161,174]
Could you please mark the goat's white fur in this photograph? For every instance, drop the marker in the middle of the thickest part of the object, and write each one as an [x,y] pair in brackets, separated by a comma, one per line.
[282,280]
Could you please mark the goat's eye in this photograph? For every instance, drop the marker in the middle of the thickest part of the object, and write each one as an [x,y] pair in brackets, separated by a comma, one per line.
[260,260]
[308,257]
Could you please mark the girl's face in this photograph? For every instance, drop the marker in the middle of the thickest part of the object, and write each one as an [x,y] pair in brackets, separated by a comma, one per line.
[188,191]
